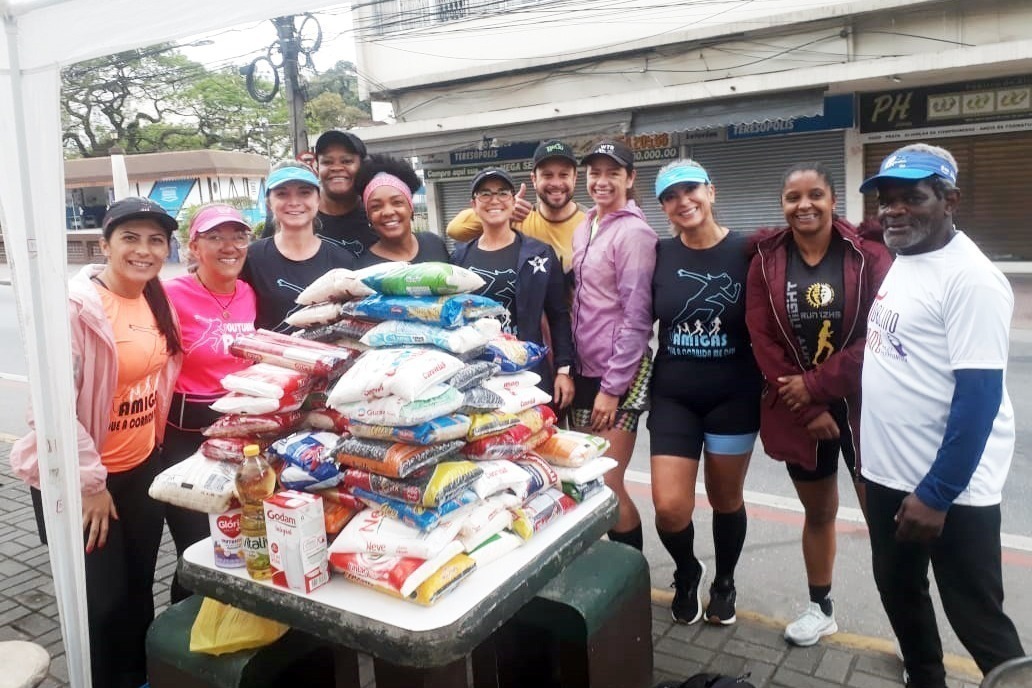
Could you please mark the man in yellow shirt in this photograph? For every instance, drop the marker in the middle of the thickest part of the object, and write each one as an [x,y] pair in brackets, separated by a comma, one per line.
[556,215]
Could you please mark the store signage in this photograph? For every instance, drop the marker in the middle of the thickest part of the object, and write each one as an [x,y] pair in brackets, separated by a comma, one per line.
[470,172]
[171,194]
[838,114]
[488,156]
[949,104]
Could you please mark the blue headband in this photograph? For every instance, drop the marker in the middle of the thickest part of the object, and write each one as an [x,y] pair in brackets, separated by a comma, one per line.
[683,174]
[291,174]
[911,166]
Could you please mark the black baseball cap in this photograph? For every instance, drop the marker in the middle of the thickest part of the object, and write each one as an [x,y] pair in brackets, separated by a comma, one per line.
[615,150]
[553,148]
[336,137]
[491,173]
[136,208]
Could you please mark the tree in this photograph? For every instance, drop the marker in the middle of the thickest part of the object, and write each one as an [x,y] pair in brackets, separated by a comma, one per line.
[333,99]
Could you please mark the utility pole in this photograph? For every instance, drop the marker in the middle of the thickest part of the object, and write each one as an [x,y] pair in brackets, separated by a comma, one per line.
[288,41]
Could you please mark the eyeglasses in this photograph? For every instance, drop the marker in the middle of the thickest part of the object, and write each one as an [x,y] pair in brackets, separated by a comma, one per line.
[236,241]
[486,194]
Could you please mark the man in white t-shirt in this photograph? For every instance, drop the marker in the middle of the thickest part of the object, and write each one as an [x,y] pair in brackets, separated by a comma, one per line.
[937,428]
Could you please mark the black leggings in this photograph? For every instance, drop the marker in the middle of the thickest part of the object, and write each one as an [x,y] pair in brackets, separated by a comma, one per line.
[120,578]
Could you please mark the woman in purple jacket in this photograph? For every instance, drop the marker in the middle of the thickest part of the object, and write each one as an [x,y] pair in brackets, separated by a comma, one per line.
[614,255]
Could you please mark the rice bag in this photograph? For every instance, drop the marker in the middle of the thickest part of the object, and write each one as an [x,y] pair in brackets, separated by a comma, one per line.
[427,487]
[483,521]
[479,400]
[514,355]
[501,383]
[347,328]
[339,494]
[539,438]
[315,315]
[267,381]
[308,457]
[416,516]
[297,354]
[445,579]
[228,448]
[452,427]
[542,475]
[397,576]
[406,373]
[571,448]
[473,374]
[494,548]
[237,425]
[392,459]
[540,510]
[537,418]
[522,398]
[247,404]
[591,469]
[581,491]
[336,516]
[196,483]
[498,476]
[326,419]
[402,333]
[509,444]
[375,532]
[439,400]
[485,424]
[444,311]
[425,279]
[341,284]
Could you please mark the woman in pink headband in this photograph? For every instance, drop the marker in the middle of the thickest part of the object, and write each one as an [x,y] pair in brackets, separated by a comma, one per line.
[387,185]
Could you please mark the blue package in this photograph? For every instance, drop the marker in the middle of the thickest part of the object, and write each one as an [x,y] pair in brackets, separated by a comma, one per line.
[416,516]
[443,311]
[513,355]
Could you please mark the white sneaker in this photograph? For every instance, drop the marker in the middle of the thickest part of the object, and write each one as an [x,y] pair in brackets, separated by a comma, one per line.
[811,626]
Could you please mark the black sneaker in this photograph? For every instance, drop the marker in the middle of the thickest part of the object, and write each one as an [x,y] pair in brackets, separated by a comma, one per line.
[687,605]
[721,607]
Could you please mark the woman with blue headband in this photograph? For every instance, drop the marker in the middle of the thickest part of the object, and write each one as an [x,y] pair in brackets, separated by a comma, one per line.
[279,267]
[705,403]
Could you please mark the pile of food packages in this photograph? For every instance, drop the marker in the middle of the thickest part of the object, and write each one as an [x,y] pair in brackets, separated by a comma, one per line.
[402,408]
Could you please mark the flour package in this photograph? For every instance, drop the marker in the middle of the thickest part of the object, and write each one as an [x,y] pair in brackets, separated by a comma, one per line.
[512,381]
[461,340]
[425,279]
[406,373]
[196,483]
[341,284]
[439,400]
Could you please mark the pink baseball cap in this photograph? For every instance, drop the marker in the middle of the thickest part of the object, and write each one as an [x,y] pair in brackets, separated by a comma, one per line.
[211,216]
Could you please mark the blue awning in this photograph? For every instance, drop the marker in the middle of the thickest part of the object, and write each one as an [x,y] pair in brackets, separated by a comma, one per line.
[724,112]
[171,194]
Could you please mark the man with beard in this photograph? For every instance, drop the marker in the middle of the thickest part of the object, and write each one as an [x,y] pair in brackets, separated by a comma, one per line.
[556,215]
[937,428]
[341,217]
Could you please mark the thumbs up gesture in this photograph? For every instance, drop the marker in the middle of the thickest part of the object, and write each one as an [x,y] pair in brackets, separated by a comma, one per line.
[523,206]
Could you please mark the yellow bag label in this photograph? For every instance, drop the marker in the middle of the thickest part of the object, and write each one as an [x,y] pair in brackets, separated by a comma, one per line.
[220,629]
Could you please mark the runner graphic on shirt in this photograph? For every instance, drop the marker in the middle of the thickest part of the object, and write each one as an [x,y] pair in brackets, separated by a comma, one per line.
[697,330]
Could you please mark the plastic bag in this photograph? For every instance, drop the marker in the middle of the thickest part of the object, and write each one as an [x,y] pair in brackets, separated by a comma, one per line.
[407,373]
[416,516]
[308,456]
[339,494]
[439,400]
[524,378]
[484,520]
[267,381]
[581,491]
[485,424]
[422,581]
[220,629]
[337,515]
[196,483]
[498,476]
[347,328]
[540,510]
[229,448]
[523,398]
[505,445]
[341,284]
[377,533]
[590,470]
[473,374]
[443,311]
[428,487]
[542,475]
[514,355]
[245,403]
[392,459]
[494,548]
[537,418]
[571,448]
[479,400]
[238,425]
[453,427]
[461,340]
[326,419]
[425,279]
[294,353]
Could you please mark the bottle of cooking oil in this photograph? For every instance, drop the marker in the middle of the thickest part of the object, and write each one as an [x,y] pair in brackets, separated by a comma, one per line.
[255,482]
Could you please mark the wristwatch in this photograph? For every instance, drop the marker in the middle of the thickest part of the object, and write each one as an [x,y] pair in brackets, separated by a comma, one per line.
[563,370]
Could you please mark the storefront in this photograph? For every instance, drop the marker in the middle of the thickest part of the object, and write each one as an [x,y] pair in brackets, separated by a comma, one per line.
[987,126]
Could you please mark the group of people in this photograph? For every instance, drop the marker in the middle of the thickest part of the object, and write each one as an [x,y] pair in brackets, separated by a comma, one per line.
[764,335]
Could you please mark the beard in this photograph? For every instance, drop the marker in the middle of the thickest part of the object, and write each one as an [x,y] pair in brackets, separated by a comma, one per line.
[567,196]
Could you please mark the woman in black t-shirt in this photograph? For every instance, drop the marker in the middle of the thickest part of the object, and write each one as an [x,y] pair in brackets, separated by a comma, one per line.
[705,389]
[387,185]
[282,266]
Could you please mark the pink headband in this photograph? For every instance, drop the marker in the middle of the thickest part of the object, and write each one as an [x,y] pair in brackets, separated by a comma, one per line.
[385,179]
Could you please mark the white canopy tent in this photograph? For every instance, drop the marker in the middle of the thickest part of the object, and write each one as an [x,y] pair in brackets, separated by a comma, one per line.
[39,38]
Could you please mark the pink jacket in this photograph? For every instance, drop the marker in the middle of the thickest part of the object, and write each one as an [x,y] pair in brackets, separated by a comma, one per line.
[95,370]
[612,302]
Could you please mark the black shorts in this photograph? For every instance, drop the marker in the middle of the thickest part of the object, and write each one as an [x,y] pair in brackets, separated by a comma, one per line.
[718,409]
[828,451]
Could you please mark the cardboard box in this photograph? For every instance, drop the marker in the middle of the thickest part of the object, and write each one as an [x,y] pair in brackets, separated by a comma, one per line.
[297,540]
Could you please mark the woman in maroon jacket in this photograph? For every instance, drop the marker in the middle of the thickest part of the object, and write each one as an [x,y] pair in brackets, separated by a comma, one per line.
[810,287]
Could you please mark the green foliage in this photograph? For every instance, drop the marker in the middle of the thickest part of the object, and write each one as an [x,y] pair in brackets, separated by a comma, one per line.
[186,215]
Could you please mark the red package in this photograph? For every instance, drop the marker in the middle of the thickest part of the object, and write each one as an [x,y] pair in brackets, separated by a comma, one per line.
[239,425]
[510,444]
[293,353]
[326,419]
[341,495]
[229,448]
[267,381]
[337,516]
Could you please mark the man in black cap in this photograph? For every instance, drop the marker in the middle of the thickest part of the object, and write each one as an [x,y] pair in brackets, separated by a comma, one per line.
[342,218]
[556,214]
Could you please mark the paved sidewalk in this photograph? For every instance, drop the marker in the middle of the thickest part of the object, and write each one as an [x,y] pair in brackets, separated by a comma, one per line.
[28,611]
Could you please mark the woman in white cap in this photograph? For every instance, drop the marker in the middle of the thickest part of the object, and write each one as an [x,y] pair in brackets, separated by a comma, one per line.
[214,306]
[705,400]
[614,255]
[281,266]
[386,185]
[126,353]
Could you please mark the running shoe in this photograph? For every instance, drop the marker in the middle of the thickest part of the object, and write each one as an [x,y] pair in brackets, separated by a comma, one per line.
[687,605]
[721,607]
[811,626]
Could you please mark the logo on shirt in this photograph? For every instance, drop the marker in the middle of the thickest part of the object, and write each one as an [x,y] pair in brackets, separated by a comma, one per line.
[697,331]
[500,285]
[218,334]
[539,263]
[819,294]
[882,339]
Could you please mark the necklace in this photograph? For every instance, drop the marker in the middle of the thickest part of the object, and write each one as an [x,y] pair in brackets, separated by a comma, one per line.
[223,306]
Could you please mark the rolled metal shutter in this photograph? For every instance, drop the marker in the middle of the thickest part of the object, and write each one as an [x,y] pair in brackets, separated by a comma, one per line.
[645,186]
[452,198]
[747,174]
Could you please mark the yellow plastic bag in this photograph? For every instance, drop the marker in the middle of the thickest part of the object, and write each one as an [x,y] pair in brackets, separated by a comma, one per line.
[220,629]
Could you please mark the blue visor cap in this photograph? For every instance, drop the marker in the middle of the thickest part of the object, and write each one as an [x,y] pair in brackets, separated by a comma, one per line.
[911,166]
[685,174]
[284,175]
